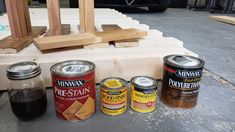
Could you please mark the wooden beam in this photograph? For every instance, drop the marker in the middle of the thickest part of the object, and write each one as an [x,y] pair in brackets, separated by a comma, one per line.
[86,16]
[27,16]
[53,7]
[54,42]
[120,43]
[224,19]
[16,17]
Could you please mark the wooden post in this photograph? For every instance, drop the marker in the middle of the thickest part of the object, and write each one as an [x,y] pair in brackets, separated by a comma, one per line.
[53,8]
[22,33]
[87,20]
[18,18]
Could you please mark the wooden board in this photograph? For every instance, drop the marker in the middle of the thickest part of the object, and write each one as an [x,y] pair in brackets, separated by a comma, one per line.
[11,45]
[54,42]
[147,59]
[121,43]
[224,19]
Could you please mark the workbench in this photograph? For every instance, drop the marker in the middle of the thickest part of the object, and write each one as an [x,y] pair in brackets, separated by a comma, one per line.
[147,59]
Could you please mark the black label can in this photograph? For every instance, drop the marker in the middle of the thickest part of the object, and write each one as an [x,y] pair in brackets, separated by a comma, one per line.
[181,80]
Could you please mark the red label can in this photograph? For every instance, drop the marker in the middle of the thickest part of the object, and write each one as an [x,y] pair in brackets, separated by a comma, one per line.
[74,89]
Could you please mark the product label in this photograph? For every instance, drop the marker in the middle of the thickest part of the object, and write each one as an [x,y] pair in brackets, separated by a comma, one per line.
[74,96]
[142,101]
[70,69]
[113,102]
[181,87]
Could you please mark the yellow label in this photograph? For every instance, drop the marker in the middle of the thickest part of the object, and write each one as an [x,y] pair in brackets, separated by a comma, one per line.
[113,102]
[143,102]
[113,83]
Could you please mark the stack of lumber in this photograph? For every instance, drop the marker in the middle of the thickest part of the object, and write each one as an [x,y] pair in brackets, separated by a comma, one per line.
[145,59]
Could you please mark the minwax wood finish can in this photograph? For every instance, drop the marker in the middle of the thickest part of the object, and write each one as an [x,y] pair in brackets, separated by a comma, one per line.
[181,80]
[143,94]
[113,96]
[74,89]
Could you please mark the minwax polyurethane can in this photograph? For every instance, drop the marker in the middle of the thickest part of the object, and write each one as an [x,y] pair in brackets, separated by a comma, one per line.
[181,80]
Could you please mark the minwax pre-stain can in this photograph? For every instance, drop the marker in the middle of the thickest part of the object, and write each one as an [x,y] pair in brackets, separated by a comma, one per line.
[181,80]
[73,84]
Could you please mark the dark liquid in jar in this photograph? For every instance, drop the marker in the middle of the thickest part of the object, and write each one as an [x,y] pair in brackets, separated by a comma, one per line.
[29,103]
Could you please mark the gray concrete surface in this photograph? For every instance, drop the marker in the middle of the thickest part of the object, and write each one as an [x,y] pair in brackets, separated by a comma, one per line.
[213,113]
[213,41]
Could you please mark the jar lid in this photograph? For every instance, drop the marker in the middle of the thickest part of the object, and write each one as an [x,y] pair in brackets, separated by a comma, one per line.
[144,82]
[113,83]
[73,68]
[23,70]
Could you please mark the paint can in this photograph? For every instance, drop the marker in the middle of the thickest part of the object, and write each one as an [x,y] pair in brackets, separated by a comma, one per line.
[143,94]
[181,80]
[113,96]
[73,84]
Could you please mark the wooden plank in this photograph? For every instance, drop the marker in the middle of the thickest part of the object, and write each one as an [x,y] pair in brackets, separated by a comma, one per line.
[98,45]
[11,45]
[120,43]
[87,20]
[54,42]
[224,19]
[53,8]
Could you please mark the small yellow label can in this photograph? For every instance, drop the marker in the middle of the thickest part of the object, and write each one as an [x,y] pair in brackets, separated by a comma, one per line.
[113,96]
[143,94]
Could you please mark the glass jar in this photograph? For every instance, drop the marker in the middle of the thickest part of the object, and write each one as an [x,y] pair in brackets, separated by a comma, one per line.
[26,90]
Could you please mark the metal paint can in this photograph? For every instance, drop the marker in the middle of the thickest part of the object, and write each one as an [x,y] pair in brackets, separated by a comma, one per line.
[73,84]
[181,80]
[143,94]
[113,96]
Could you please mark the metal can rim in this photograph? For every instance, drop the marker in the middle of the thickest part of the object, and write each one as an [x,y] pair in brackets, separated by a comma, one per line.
[24,74]
[202,63]
[53,71]
[124,82]
[145,87]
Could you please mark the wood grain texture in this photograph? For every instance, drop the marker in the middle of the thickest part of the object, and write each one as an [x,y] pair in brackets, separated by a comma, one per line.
[53,7]
[54,42]
[224,19]
[120,43]
[11,45]
[16,17]
[87,19]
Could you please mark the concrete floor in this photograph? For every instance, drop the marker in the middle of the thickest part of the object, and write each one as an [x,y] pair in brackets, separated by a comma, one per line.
[213,41]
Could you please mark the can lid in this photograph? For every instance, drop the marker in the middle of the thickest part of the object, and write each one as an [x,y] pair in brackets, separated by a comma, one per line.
[23,70]
[73,67]
[184,61]
[113,83]
[144,82]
